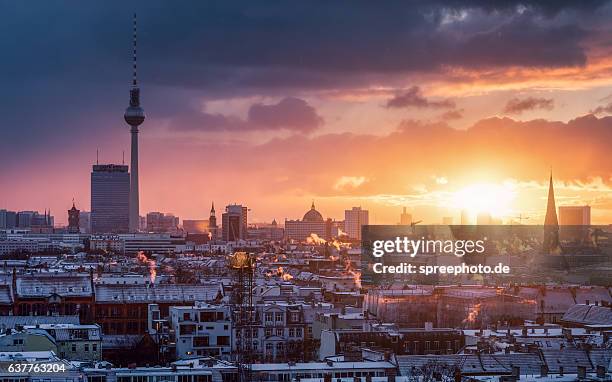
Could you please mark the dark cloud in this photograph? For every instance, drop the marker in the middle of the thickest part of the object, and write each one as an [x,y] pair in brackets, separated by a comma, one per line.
[290,113]
[65,67]
[452,114]
[605,109]
[414,98]
[517,106]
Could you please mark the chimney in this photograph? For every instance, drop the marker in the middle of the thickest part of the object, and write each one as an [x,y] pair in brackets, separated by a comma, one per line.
[601,371]
[516,372]
[581,372]
[457,375]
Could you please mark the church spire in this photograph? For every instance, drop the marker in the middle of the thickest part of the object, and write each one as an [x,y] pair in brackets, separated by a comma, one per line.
[551,245]
[551,209]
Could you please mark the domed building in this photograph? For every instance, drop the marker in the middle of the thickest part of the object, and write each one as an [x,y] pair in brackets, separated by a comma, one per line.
[311,224]
[313,215]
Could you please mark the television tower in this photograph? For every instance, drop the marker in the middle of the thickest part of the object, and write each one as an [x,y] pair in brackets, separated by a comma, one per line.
[134,116]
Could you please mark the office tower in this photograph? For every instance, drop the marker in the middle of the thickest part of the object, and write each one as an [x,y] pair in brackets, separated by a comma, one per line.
[405,217]
[159,223]
[110,198]
[74,217]
[8,219]
[551,224]
[354,219]
[134,116]
[24,218]
[574,215]
[234,223]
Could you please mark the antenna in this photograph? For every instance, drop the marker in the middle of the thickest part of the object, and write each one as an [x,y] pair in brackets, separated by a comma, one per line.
[97,156]
[123,157]
[134,79]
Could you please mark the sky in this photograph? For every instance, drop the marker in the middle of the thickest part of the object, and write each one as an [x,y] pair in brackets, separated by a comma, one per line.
[436,106]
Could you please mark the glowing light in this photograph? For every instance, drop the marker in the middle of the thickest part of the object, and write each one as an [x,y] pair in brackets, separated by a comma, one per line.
[489,198]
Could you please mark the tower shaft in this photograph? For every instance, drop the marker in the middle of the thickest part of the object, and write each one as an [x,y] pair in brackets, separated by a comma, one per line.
[134,194]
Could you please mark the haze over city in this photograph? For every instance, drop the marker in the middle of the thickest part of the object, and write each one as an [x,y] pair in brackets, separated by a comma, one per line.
[438,107]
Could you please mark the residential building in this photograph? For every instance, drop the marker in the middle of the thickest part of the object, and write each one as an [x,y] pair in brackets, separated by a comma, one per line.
[202,330]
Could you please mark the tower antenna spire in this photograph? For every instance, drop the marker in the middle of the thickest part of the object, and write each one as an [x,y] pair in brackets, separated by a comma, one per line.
[134,77]
[97,156]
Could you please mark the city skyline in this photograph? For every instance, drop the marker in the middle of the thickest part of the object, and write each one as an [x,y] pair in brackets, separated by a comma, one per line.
[477,129]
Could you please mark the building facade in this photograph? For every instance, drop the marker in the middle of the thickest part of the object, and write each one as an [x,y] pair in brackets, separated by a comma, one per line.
[354,219]
[110,198]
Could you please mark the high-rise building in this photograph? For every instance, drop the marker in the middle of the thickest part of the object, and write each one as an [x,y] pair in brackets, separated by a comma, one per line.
[574,215]
[74,217]
[24,218]
[8,219]
[405,217]
[32,219]
[110,198]
[354,219]
[160,223]
[234,223]
[134,116]
[85,221]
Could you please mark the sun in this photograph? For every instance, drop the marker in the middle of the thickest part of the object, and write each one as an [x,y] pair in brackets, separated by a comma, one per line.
[494,199]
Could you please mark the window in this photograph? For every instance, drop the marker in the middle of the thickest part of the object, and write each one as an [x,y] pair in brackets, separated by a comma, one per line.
[73,348]
[291,332]
[223,340]
[87,347]
[427,345]
[269,317]
[187,329]
[298,332]
[278,317]
[269,348]
[94,347]
[200,341]
[279,332]
[18,341]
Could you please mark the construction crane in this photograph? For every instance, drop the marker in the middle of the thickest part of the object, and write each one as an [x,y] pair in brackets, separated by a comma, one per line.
[521,218]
